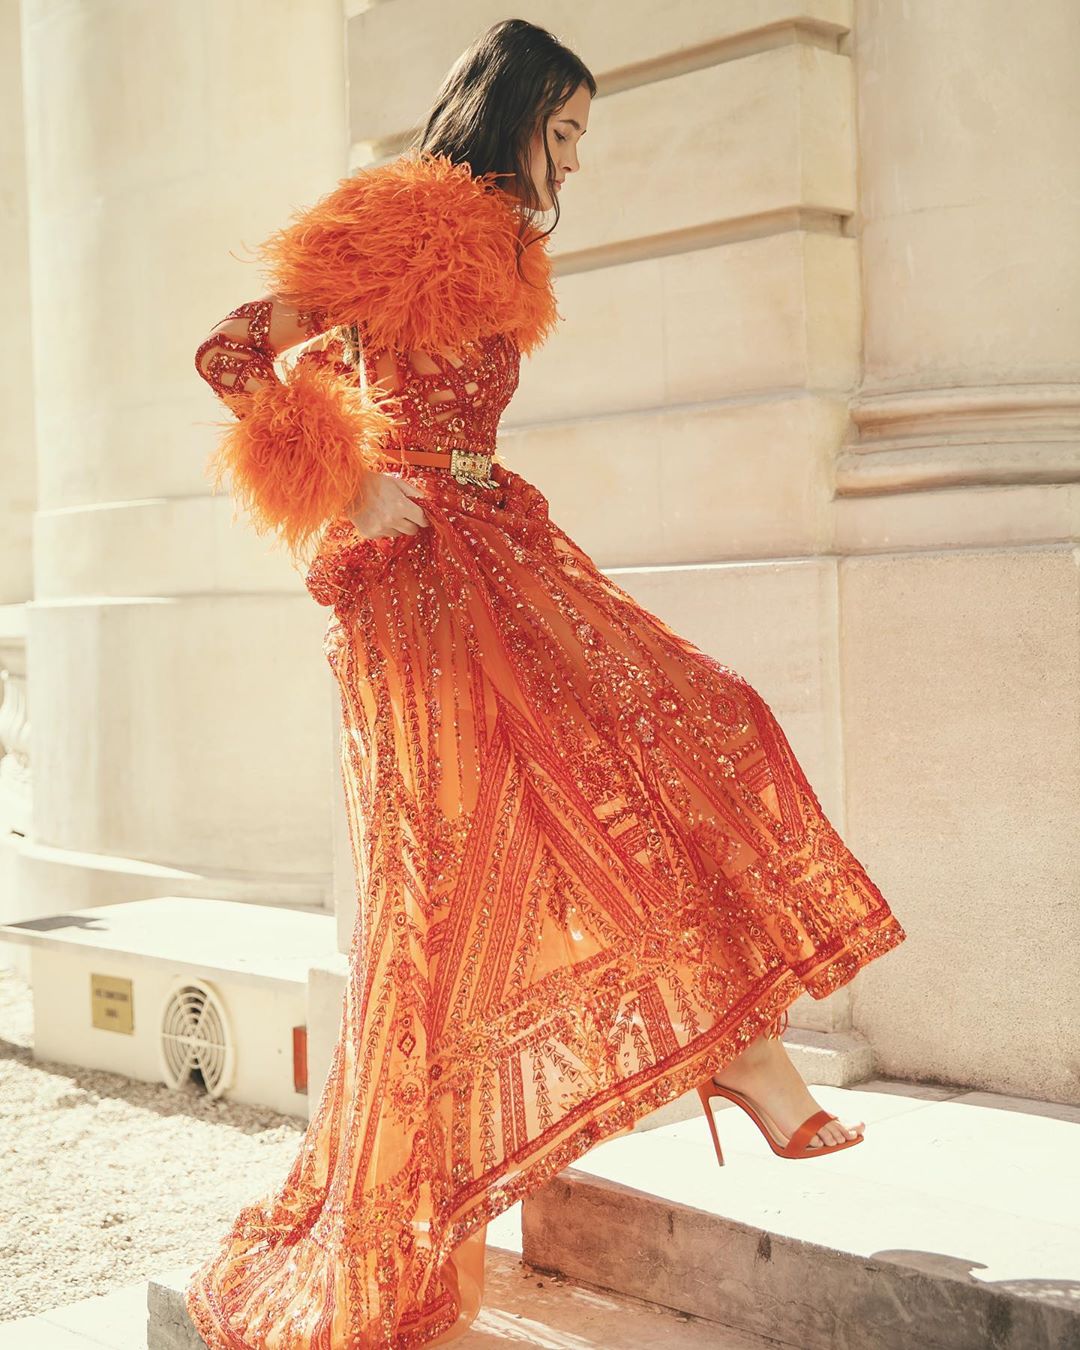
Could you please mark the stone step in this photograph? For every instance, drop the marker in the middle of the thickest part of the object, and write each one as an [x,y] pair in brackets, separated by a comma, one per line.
[955,1224]
[521,1308]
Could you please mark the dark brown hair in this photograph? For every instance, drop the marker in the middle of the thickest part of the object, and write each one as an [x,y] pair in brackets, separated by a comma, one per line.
[495,95]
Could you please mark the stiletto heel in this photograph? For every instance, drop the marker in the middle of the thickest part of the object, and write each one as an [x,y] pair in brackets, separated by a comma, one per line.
[797,1145]
[706,1095]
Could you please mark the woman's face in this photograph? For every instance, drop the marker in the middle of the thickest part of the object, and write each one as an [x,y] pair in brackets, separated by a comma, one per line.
[565,127]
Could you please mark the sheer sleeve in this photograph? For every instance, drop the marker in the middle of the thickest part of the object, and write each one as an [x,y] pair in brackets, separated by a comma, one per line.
[302,448]
[238,355]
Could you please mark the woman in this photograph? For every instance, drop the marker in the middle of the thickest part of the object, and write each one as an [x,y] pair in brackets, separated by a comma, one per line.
[591,872]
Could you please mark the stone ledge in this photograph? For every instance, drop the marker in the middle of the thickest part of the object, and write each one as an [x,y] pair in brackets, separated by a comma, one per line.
[521,1307]
[949,1226]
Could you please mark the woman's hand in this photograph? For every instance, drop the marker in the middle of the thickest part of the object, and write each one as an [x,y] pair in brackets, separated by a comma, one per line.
[386,507]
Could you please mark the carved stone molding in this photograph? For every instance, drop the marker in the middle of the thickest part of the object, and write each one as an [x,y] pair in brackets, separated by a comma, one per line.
[922,440]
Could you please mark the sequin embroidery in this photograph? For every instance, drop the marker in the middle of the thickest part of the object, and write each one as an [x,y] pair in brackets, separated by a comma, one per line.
[589,870]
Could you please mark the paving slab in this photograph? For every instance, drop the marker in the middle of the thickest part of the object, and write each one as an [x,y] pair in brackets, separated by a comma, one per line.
[113,1321]
[521,1308]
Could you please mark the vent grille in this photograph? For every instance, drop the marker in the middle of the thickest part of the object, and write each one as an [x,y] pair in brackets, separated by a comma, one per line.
[196,1038]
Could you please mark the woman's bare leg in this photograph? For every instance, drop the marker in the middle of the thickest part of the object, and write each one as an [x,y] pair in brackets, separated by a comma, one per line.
[765,1073]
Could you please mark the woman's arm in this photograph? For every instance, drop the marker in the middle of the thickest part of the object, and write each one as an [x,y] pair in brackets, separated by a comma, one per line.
[303,449]
[238,355]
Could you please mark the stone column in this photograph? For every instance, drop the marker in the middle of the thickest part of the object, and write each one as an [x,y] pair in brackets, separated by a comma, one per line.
[181,701]
[958,506]
[17,467]
[17,444]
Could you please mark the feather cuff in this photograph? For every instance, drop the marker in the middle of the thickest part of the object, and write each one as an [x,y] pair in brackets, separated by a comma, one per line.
[303,450]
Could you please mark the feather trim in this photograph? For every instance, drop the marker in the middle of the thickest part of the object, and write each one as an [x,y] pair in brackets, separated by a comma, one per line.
[421,254]
[303,450]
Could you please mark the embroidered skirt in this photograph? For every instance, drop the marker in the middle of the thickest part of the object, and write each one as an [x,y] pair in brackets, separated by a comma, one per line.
[589,871]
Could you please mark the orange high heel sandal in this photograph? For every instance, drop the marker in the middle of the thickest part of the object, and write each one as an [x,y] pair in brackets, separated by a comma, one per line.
[797,1146]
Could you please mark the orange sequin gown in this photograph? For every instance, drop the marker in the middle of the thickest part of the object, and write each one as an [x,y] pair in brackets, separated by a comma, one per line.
[589,870]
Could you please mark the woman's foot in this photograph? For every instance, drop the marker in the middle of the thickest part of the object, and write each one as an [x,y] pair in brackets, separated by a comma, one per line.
[766,1076]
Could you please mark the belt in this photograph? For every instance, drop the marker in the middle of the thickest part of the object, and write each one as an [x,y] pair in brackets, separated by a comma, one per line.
[467,466]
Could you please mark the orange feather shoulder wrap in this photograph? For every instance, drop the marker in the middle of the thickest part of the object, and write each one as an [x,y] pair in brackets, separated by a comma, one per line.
[419,252]
[420,255]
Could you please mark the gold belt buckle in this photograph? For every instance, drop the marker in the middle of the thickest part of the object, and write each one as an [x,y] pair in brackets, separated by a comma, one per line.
[467,466]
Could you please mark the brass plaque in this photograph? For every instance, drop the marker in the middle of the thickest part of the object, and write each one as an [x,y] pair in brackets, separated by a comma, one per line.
[111,1003]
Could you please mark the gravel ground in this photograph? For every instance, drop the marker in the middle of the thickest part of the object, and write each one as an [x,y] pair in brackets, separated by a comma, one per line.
[107,1180]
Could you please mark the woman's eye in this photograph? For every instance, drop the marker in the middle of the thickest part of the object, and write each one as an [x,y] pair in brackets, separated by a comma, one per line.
[559,136]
